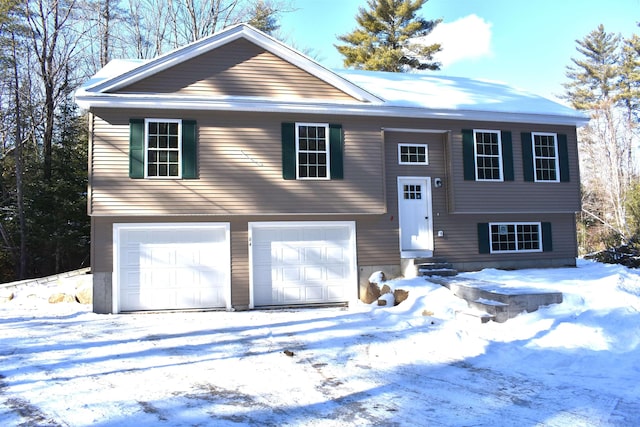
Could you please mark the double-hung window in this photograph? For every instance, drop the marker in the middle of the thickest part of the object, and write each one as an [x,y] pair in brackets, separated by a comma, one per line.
[515,237]
[545,157]
[488,155]
[312,151]
[163,151]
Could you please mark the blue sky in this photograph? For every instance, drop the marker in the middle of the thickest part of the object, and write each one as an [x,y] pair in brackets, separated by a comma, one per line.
[527,44]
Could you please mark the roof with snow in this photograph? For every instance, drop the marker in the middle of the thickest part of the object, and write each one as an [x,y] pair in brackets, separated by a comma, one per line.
[415,95]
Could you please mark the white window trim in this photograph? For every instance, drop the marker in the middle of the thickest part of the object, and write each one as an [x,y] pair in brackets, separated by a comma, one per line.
[516,224]
[327,151]
[475,154]
[533,153]
[146,147]
[406,144]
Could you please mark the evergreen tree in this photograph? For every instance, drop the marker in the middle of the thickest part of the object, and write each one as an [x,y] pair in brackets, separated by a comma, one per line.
[385,38]
[604,83]
[263,16]
[593,78]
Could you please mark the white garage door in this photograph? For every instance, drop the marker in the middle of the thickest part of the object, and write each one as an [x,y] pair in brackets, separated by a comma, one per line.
[171,266]
[302,262]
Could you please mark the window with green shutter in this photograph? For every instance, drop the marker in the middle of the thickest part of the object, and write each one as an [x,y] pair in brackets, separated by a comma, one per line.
[509,237]
[163,148]
[312,151]
[487,155]
[545,157]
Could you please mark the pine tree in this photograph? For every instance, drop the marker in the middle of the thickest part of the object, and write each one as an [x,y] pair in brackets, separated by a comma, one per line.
[593,78]
[263,16]
[385,38]
[604,83]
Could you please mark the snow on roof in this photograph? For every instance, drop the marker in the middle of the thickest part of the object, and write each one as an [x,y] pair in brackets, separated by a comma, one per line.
[417,95]
[114,68]
[422,90]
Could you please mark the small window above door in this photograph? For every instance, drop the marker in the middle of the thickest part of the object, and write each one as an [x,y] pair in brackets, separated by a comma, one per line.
[413,154]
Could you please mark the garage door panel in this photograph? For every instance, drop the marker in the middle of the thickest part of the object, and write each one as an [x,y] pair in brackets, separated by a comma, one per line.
[292,295]
[336,292]
[313,273]
[314,293]
[172,266]
[336,272]
[304,262]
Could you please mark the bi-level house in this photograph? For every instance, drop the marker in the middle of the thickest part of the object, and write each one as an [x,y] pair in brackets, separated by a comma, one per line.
[237,173]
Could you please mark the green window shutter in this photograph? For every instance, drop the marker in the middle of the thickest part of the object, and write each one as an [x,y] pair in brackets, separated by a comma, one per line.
[547,242]
[483,238]
[507,155]
[336,151]
[527,156]
[289,150]
[563,157]
[189,149]
[468,155]
[136,148]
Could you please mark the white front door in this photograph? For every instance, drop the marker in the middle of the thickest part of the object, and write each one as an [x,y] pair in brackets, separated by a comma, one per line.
[414,212]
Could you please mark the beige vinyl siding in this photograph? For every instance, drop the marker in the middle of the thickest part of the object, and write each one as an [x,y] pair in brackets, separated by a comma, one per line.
[240,170]
[517,195]
[460,242]
[239,262]
[239,68]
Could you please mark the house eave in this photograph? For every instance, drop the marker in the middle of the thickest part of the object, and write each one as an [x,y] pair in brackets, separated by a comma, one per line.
[89,100]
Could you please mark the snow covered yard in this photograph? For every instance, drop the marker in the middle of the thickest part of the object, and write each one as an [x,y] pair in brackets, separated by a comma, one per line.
[415,364]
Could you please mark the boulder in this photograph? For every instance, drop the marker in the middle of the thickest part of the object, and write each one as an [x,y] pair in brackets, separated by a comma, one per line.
[60,297]
[371,293]
[385,290]
[377,277]
[84,293]
[386,300]
[400,295]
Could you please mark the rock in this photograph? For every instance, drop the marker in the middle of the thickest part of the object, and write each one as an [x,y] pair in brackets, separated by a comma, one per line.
[372,293]
[289,353]
[377,277]
[60,297]
[400,295]
[386,300]
[6,295]
[385,290]
[84,293]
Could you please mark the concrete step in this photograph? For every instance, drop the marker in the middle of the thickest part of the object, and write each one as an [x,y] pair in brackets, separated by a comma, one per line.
[428,272]
[436,268]
[474,316]
[497,300]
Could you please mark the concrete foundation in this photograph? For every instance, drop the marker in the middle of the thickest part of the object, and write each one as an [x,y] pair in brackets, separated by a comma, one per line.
[102,293]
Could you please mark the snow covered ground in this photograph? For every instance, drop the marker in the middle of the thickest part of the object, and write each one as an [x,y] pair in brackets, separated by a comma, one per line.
[573,364]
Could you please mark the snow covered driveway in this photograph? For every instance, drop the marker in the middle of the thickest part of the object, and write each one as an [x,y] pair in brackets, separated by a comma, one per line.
[410,365]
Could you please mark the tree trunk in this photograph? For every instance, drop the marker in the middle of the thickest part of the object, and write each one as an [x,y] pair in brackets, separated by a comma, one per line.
[22,225]
[106,29]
